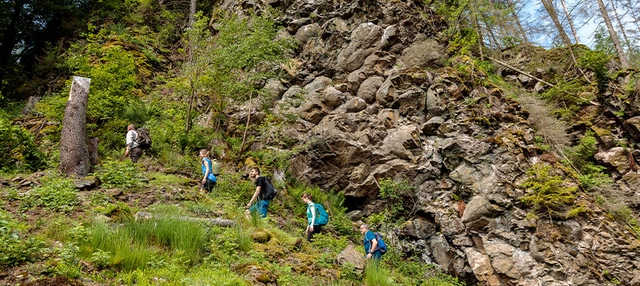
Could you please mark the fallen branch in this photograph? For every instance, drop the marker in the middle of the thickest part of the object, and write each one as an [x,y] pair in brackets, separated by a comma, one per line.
[521,71]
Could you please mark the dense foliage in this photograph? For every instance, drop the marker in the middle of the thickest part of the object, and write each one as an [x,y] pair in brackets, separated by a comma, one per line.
[18,147]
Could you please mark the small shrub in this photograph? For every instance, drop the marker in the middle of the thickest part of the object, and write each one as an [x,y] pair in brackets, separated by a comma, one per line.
[546,191]
[398,197]
[56,194]
[348,271]
[596,61]
[15,248]
[101,259]
[581,156]
[123,174]
[18,148]
[224,245]
[325,241]
[576,211]
[118,211]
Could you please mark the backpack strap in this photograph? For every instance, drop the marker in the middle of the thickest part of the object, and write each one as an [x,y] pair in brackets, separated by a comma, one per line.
[374,237]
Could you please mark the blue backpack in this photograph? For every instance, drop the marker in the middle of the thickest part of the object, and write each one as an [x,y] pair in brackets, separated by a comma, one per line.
[322,217]
[381,244]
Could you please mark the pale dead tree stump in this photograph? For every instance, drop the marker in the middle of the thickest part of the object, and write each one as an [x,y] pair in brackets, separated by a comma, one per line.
[74,154]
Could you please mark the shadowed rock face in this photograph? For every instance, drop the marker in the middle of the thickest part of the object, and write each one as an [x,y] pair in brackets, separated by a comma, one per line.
[373,101]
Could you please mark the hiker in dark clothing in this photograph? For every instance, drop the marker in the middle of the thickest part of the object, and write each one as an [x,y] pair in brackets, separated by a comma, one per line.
[133,151]
[261,205]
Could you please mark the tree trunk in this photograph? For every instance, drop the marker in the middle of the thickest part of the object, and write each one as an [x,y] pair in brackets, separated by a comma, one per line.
[551,10]
[74,154]
[613,34]
[622,30]
[517,19]
[192,12]
[92,148]
[480,36]
[569,19]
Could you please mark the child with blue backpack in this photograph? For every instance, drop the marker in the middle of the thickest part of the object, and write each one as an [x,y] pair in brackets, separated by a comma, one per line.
[316,216]
[209,179]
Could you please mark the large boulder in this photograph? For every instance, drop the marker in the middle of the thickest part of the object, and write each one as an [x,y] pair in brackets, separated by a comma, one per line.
[423,53]
[369,87]
[352,256]
[364,40]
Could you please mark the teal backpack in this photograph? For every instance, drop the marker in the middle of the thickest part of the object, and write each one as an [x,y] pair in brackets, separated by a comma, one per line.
[322,217]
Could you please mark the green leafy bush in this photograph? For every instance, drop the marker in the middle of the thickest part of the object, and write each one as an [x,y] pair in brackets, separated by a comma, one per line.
[55,193]
[14,247]
[581,156]
[123,174]
[546,190]
[17,148]
[596,61]
[567,95]
[398,195]
[228,66]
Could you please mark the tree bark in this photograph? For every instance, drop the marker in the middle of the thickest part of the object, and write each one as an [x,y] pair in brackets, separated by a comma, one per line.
[480,36]
[551,10]
[192,12]
[74,153]
[613,34]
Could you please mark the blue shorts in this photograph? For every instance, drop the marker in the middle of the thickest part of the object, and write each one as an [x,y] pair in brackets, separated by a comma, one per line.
[376,255]
[261,207]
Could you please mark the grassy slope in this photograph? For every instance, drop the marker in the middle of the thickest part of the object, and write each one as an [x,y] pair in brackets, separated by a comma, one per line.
[154,231]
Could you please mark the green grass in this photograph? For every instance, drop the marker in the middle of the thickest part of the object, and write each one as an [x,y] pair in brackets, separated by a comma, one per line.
[376,274]
[57,194]
[173,247]
[135,244]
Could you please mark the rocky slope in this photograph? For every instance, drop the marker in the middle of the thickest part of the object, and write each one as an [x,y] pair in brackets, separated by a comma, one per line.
[375,100]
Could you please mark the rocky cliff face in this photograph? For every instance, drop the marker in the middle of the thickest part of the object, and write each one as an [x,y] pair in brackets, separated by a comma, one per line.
[374,100]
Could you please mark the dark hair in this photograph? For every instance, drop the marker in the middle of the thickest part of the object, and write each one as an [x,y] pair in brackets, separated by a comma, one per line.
[255,168]
[307,196]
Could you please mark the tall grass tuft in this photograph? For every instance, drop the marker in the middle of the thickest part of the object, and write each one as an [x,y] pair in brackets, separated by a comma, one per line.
[125,251]
[243,237]
[377,275]
[136,243]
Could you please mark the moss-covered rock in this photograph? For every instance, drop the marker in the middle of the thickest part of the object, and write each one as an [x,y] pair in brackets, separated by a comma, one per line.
[261,235]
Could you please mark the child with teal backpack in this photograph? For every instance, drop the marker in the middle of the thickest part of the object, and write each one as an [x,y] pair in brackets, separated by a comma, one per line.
[209,180]
[317,216]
